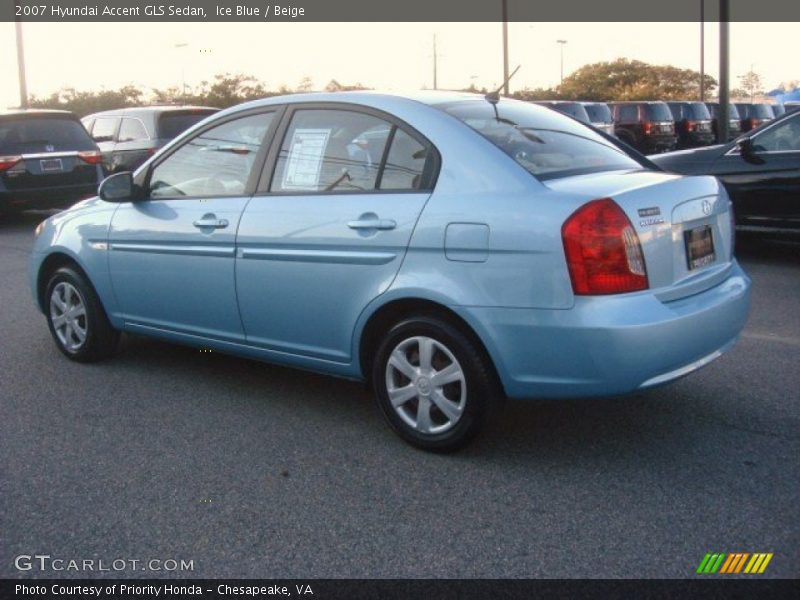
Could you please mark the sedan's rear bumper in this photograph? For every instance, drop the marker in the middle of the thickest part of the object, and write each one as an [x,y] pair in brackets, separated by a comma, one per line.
[612,345]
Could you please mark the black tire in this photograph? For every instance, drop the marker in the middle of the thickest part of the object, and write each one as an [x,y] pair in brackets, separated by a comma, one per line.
[481,395]
[101,339]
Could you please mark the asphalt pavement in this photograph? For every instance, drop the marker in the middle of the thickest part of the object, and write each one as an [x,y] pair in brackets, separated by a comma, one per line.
[252,470]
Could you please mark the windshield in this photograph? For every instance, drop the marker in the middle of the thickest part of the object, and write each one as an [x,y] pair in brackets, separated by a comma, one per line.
[32,134]
[658,111]
[697,111]
[573,109]
[171,124]
[598,113]
[545,143]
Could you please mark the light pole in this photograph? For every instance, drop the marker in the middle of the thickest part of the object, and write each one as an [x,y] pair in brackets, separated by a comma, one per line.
[435,65]
[183,71]
[23,84]
[723,120]
[702,50]
[562,43]
[505,47]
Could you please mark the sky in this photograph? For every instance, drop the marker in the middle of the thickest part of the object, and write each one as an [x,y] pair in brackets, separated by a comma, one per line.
[390,56]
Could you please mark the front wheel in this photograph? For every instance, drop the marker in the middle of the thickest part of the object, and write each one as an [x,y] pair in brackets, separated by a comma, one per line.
[77,321]
[433,385]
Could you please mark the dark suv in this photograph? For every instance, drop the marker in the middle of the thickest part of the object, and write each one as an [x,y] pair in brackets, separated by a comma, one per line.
[647,126]
[753,115]
[734,121]
[127,137]
[567,107]
[47,160]
[692,124]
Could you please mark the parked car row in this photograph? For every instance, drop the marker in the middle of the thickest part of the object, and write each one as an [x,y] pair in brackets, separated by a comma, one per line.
[653,127]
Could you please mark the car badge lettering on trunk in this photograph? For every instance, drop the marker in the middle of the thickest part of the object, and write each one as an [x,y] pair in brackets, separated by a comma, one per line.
[706,207]
[49,147]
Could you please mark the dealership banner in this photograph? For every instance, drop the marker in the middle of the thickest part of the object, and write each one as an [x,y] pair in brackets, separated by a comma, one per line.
[393,10]
[389,589]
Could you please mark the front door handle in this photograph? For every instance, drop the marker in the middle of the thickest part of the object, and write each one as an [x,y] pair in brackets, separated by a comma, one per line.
[211,223]
[382,224]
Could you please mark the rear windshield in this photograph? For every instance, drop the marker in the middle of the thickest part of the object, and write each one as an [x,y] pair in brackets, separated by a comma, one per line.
[598,113]
[658,111]
[28,135]
[697,111]
[172,124]
[546,144]
[733,114]
[761,111]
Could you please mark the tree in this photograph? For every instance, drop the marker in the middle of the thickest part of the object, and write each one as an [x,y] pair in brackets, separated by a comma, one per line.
[85,102]
[625,79]
[750,85]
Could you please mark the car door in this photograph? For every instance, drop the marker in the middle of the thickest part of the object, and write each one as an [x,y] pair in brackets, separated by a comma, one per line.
[104,133]
[327,232]
[171,255]
[765,188]
[133,145]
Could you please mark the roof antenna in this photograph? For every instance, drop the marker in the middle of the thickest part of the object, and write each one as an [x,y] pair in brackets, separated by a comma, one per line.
[494,97]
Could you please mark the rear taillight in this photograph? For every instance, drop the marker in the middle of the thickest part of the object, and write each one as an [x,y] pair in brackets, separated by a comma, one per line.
[92,157]
[648,127]
[753,123]
[690,125]
[603,251]
[6,162]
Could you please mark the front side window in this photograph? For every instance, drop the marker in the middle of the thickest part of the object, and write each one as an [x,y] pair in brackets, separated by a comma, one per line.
[545,143]
[331,150]
[783,137]
[216,163]
[104,129]
[132,130]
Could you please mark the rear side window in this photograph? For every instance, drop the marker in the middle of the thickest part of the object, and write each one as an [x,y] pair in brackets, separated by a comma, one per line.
[546,144]
[327,150]
[598,113]
[105,128]
[172,124]
[658,111]
[132,130]
[28,135]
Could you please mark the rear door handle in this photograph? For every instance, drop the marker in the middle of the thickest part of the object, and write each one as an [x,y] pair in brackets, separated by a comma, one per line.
[383,224]
[205,223]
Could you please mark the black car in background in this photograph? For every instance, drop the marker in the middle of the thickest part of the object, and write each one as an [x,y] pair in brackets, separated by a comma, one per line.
[734,121]
[129,136]
[573,109]
[791,106]
[692,124]
[648,126]
[760,170]
[47,160]
[600,116]
[753,115]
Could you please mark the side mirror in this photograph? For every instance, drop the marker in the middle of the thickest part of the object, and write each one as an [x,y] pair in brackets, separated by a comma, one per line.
[117,188]
[745,145]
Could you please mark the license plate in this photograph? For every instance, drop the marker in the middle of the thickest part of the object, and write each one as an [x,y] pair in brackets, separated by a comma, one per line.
[699,247]
[50,165]
[666,129]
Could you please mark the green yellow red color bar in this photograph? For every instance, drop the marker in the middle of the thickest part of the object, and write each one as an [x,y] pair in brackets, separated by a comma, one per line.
[732,563]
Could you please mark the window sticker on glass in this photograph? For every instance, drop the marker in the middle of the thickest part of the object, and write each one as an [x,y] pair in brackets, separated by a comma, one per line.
[306,153]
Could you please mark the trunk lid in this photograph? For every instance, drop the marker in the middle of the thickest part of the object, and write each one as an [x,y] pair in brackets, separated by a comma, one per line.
[683,224]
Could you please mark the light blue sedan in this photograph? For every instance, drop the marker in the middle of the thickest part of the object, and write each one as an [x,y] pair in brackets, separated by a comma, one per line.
[450,249]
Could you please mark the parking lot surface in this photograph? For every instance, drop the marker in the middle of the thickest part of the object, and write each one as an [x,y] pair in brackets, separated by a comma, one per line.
[252,470]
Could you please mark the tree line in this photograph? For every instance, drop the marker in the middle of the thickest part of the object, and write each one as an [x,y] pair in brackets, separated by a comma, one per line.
[621,79]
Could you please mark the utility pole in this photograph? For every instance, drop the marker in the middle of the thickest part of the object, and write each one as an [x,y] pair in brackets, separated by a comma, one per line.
[723,118]
[702,50]
[23,84]
[435,82]
[562,43]
[505,47]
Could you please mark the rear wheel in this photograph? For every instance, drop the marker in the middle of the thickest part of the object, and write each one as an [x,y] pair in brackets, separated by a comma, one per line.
[77,321]
[432,384]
